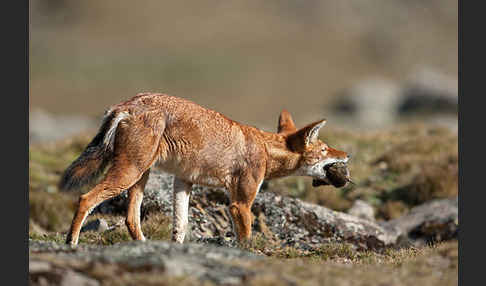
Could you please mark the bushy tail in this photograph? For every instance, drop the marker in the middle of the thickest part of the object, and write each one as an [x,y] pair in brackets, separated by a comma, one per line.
[95,158]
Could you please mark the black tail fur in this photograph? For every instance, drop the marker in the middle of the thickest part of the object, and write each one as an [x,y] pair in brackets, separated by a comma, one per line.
[95,158]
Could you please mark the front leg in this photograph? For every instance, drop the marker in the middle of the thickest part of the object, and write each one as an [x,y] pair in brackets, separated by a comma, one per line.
[242,197]
[181,194]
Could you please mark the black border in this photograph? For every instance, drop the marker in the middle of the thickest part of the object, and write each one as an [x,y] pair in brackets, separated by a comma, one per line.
[15,145]
[471,166]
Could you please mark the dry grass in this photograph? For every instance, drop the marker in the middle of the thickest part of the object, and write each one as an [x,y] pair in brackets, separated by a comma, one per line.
[154,227]
[52,212]
[438,180]
[48,209]
[392,210]
[342,264]
[437,265]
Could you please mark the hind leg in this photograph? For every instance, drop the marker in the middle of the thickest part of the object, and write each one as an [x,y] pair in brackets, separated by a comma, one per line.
[119,178]
[135,150]
[135,197]
[180,201]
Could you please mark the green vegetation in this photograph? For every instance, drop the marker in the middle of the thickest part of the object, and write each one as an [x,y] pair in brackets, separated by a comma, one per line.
[47,162]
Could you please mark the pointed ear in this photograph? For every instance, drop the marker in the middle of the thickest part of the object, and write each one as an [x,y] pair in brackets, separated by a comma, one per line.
[306,135]
[285,123]
[313,131]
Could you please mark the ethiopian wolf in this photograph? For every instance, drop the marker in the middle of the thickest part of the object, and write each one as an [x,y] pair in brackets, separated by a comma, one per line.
[197,145]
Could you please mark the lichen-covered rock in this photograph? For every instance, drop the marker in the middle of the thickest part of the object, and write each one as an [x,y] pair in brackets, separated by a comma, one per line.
[298,222]
[157,196]
[433,221]
[203,262]
[294,222]
[98,225]
[291,221]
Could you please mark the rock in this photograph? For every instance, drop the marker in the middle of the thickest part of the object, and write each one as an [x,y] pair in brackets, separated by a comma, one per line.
[45,127]
[433,221]
[45,273]
[36,266]
[301,223]
[98,225]
[157,197]
[74,278]
[429,92]
[294,222]
[363,210]
[378,103]
[371,102]
[203,262]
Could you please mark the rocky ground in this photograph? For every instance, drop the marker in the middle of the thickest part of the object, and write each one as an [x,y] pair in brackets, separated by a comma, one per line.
[397,226]
[165,263]
[200,262]
[293,222]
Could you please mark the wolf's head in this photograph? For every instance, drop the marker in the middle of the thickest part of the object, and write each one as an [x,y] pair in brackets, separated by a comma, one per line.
[316,156]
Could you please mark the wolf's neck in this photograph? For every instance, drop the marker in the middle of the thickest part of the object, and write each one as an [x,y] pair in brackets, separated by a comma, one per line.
[281,161]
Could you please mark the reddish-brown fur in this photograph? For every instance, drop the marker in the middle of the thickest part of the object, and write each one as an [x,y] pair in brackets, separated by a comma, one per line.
[198,146]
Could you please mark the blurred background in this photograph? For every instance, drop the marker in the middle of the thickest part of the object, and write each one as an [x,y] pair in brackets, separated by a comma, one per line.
[383,72]
[359,64]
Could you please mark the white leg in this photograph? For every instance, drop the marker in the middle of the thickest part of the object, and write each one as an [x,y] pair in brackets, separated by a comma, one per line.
[182,192]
